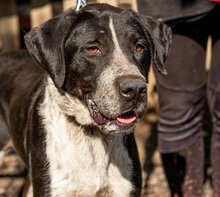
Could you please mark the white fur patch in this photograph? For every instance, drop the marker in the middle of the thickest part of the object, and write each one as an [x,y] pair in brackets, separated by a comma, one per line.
[81,163]
[107,97]
[70,105]
[114,37]
[111,127]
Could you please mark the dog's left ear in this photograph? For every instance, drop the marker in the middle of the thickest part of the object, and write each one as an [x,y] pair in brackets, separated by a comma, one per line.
[46,44]
[160,36]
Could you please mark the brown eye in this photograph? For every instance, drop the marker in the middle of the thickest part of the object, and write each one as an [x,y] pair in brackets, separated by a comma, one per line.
[139,48]
[92,50]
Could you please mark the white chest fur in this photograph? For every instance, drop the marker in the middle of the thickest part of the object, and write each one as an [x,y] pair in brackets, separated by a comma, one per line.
[81,162]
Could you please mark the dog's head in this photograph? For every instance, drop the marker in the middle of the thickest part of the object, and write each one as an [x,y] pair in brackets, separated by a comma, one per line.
[101,55]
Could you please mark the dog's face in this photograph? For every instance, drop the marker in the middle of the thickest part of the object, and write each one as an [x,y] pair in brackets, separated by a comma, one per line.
[102,55]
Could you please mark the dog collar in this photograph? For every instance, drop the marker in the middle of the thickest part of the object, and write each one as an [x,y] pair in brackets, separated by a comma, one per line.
[79,4]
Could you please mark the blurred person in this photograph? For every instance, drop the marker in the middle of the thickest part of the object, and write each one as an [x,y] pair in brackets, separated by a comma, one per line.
[183,93]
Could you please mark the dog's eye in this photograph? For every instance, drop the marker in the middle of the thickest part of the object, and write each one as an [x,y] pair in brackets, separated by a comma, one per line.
[92,50]
[139,48]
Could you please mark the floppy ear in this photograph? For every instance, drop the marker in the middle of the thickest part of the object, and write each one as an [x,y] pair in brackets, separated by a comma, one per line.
[46,44]
[161,38]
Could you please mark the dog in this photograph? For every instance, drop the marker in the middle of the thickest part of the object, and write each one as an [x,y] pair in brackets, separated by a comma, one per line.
[72,102]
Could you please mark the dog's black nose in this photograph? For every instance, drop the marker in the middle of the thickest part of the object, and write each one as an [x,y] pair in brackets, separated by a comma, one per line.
[132,87]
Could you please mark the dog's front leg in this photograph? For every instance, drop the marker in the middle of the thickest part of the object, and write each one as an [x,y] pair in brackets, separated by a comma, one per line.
[38,165]
[130,143]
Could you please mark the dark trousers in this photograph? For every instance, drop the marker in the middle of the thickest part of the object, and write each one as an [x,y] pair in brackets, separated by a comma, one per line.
[182,96]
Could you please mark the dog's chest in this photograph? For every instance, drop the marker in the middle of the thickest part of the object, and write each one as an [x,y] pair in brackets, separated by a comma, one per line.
[81,164]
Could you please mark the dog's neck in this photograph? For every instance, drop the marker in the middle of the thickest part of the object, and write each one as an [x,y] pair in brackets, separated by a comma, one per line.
[80,157]
[76,113]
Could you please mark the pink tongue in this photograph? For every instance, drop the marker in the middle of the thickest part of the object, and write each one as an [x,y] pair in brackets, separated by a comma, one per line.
[126,119]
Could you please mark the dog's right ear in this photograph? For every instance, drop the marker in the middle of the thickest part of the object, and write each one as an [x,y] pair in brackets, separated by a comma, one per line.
[46,44]
[161,38]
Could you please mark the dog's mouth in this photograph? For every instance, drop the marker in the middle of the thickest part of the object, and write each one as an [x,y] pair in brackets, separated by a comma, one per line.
[120,124]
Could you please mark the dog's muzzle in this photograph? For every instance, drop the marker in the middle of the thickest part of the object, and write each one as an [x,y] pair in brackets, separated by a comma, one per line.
[132,93]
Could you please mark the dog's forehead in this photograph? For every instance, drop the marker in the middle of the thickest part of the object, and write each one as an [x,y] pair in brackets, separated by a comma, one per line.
[101,26]
[97,19]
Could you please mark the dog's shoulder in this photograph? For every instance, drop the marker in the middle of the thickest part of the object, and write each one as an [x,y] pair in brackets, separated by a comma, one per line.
[21,87]
[18,72]
[20,77]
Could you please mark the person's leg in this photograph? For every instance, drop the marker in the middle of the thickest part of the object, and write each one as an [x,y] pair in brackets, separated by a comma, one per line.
[214,102]
[180,140]
[184,170]
[182,95]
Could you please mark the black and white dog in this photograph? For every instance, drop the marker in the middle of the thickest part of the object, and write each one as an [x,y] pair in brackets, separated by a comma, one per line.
[71,118]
